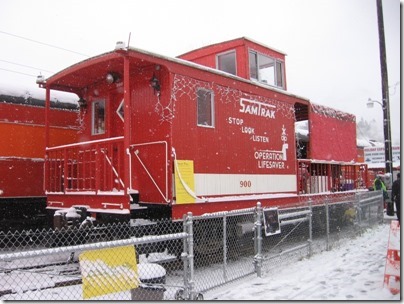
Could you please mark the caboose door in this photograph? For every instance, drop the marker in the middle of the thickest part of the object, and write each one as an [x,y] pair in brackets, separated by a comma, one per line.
[151,139]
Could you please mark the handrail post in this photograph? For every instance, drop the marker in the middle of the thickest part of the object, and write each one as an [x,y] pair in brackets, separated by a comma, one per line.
[98,165]
[66,171]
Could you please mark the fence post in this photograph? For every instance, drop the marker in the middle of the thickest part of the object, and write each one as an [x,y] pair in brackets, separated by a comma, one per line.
[358,212]
[258,240]
[327,223]
[225,248]
[191,281]
[310,227]
[184,294]
[380,209]
[188,260]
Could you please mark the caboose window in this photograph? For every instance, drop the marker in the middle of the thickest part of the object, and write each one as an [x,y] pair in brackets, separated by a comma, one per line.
[266,69]
[98,119]
[227,62]
[205,108]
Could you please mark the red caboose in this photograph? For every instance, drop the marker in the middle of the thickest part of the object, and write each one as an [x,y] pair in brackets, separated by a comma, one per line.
[172,135]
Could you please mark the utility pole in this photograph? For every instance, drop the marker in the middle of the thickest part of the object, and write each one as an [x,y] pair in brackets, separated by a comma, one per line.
[385,90]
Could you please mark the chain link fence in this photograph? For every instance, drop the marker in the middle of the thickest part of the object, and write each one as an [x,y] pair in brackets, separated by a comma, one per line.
[138,261]
[165,260]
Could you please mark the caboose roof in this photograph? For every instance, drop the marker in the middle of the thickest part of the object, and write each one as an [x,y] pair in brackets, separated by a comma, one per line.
[87,72]
[230,43]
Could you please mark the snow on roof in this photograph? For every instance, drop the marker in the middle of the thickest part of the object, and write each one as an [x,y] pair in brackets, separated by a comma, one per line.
[212,70]
[181,62]
[365,143]
[228,41]
[382,165]
[36,92]
[330,112]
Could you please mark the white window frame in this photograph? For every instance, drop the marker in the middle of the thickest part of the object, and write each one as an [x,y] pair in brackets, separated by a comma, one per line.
[212,108]
[277,62]
[224,54]
[93,130]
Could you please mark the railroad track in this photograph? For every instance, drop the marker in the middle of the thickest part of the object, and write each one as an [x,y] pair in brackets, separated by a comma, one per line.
[43,276]
[37,277]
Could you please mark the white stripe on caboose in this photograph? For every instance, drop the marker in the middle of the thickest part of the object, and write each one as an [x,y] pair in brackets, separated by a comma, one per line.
[233,184]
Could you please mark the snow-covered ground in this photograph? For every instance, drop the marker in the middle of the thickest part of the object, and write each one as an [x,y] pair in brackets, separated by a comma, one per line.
[354,271]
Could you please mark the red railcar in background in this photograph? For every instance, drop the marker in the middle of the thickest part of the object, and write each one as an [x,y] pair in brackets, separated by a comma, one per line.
[22,137]
[210,131]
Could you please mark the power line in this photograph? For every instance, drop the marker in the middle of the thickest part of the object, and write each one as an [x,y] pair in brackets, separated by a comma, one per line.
[46,44]
[27,66]
[18,72]
[394,87]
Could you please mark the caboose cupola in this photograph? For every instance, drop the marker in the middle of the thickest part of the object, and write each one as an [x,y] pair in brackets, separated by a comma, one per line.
[245,58]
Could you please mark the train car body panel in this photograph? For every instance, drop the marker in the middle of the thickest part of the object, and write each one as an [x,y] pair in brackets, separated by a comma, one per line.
[326,123]
[19,178]
[246,138]
[22,137]
[22,134]
[22,129]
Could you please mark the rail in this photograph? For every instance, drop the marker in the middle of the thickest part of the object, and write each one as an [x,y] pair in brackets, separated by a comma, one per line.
[316,177]
[137,154]
[88,166]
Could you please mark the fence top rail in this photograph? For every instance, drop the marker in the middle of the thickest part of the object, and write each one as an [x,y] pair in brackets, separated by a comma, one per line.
[92,246]
[294,214]
[222,214]
[370,199]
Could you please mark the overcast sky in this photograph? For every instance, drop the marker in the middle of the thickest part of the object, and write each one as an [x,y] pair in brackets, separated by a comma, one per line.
[331,45]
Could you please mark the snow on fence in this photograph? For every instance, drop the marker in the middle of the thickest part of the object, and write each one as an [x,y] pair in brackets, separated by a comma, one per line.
[167,260]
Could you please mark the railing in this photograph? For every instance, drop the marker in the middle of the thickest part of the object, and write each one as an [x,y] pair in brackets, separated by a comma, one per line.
[317,177]
[88,166]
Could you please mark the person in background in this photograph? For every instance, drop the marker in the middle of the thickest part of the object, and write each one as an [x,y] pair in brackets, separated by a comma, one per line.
[378,184]
[395,195]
